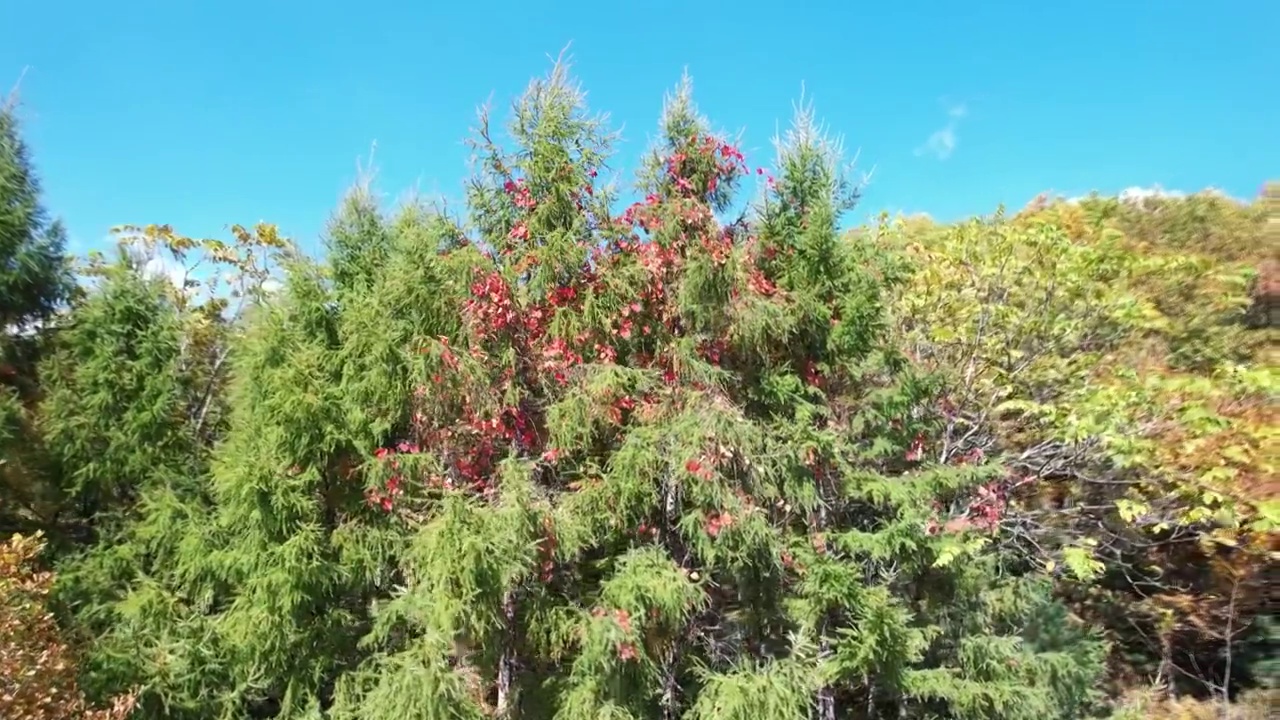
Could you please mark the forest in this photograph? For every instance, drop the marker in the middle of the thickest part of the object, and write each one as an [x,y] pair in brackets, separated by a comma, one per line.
[713,454]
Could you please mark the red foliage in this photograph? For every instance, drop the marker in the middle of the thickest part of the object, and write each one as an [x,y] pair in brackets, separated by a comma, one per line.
[716,522]
[457,421]
[501,318]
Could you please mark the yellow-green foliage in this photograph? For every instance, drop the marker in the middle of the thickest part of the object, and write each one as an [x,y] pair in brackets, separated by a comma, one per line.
[1111,348]
[1111,322]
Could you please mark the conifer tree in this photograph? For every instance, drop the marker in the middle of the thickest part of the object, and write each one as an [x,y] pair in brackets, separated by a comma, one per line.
[34,275]
[554,461]
[667,467]
[131,403]
[115,427]
[113,401]
[34,282]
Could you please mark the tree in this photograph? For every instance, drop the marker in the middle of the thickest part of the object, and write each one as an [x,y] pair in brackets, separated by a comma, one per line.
[133,402]
[34,276]
[35,280]
[563,462]
[1104,346]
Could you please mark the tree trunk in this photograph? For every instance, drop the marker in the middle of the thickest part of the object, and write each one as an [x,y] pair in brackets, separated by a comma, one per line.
[506,664]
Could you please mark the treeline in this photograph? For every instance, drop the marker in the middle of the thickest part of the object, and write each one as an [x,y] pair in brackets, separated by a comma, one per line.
[702,456]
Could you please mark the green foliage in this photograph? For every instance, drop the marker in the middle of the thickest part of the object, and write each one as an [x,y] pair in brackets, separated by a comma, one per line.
[113,409]
[1105,347]
[35,281]
[34,276]
[557,462]
[558,459]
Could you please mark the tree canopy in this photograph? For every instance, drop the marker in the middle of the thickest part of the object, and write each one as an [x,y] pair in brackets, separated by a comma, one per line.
[705,455]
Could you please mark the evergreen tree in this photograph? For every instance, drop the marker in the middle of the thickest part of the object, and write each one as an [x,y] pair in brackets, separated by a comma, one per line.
[131,404]
[34,276]
[560,462]
[114,402]
[34,282]
[117,433]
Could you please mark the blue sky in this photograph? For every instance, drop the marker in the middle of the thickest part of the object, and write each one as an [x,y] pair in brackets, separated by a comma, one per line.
[203,114]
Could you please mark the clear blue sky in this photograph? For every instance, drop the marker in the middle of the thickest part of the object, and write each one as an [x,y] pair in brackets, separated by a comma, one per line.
[204,113]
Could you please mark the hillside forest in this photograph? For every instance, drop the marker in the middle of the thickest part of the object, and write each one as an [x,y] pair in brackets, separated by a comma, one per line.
[553,455]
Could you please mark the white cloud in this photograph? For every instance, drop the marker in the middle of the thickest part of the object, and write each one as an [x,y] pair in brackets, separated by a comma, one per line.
[155,263]
[1138,195]
[173,271]
[942,143]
